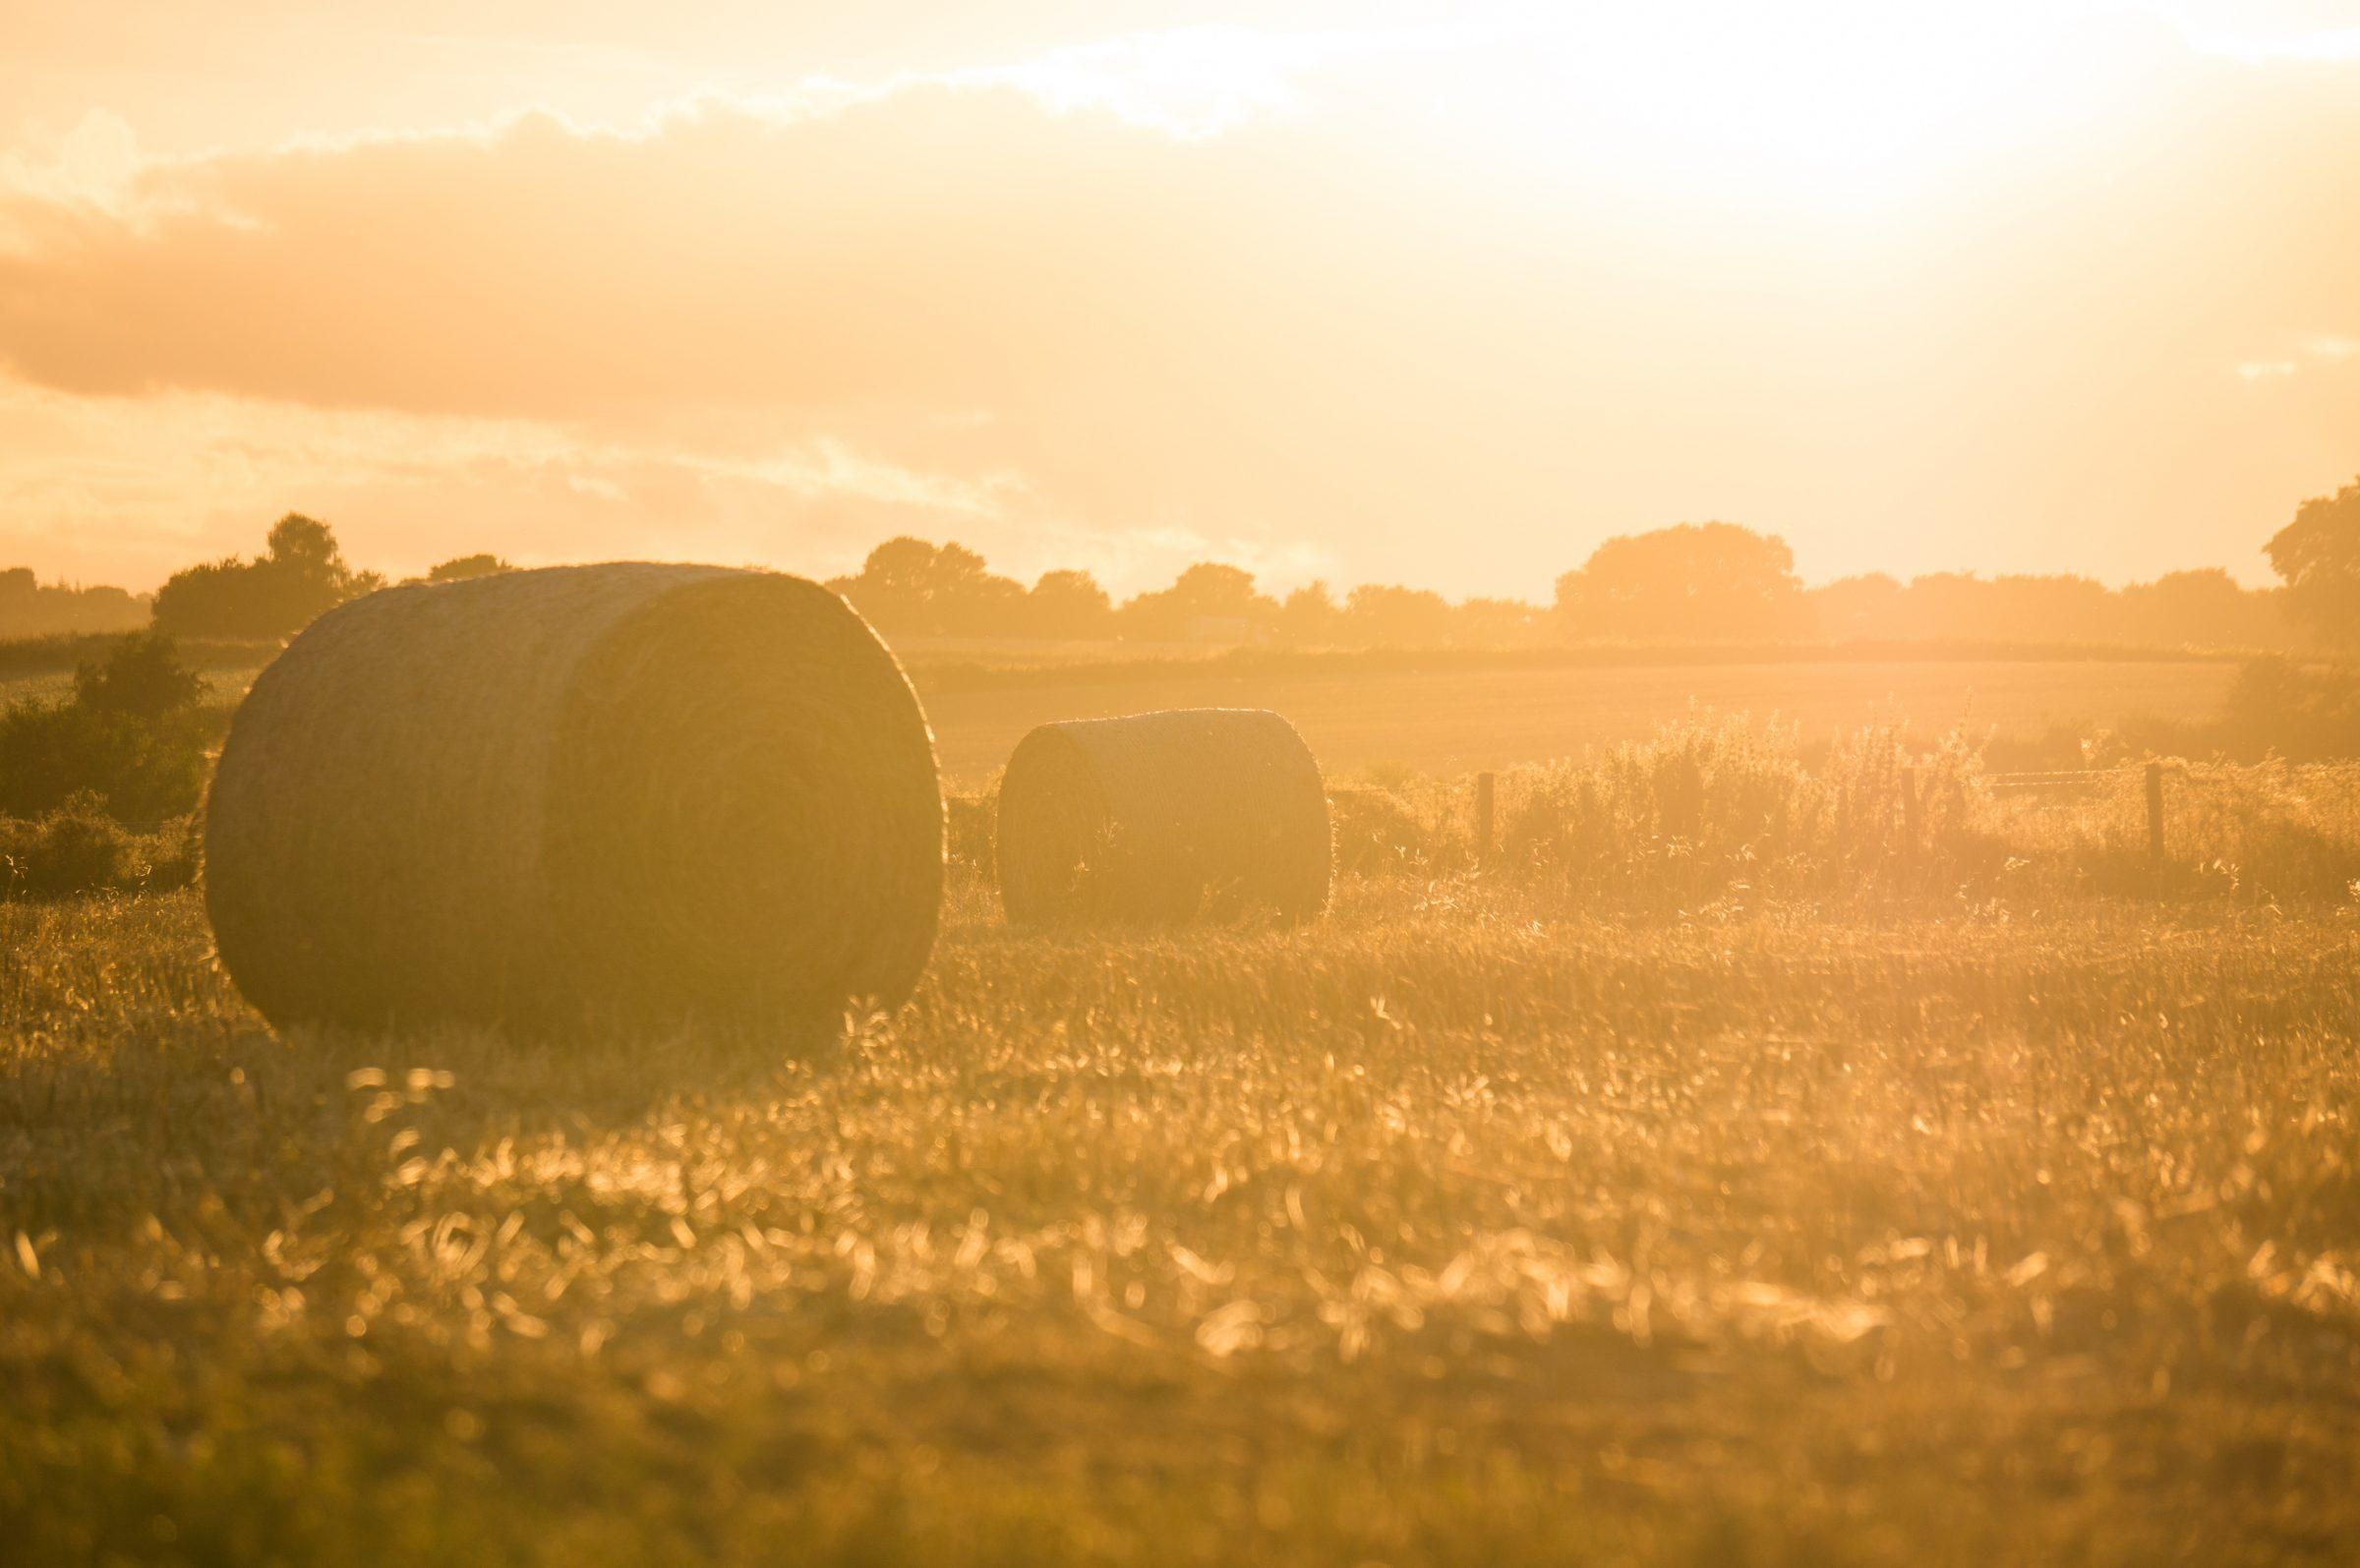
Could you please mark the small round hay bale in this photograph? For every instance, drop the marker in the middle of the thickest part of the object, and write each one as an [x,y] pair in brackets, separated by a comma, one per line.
[1162,817]
[636,793]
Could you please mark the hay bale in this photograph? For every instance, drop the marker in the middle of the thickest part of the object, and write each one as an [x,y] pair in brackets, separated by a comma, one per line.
[631,792]
[1162,817]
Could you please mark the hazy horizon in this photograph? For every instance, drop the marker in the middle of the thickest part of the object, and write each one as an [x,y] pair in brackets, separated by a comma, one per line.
[250,548]
[1438,296]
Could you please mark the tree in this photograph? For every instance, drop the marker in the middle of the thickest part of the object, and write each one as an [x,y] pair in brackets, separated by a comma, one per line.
[1384,615]
[970,600]
[1309,618]
[2206,607]
[300,575]
[912,587]
[30,608]
[2318,556]
[1210,602]
[1069,604]
[1703,581]
[460,569]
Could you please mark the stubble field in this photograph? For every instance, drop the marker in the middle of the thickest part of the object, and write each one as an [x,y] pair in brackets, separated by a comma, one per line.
[1463,1226]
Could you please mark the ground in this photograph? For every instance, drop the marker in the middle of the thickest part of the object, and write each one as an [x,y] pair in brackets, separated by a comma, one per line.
[1460,1227]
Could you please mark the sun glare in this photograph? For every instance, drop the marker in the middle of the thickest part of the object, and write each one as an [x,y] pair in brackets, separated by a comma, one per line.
[1833,103]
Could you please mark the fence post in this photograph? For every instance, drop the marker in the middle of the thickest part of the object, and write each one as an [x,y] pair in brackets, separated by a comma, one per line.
[1485,807]
[2155,822]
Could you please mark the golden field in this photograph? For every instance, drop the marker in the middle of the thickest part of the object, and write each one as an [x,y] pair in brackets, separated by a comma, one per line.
[1536,1214]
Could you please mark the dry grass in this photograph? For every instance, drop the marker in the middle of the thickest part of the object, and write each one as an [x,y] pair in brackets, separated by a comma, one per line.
[1719,817]
[1460,1227]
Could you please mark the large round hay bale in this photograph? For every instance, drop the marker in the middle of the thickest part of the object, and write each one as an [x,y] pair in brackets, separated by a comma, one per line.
[637,792]
[1162,817]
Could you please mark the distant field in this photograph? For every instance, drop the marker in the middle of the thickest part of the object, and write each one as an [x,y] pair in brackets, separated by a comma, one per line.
[1357,713]
[1456,720]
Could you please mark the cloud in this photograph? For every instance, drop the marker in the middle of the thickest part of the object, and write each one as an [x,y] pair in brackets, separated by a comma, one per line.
[2328,347]
[535,269]
[1018,311]
[1197,81]
[1337,343]
[130,489]
[96,168]
[135,488]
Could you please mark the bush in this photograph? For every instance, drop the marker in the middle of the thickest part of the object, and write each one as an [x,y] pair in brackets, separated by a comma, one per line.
[142,676]
[80,848]
[132,734]
[146,770]
[2304,714]
[174,857]
[1713,808]
[76,849]
[1378,833]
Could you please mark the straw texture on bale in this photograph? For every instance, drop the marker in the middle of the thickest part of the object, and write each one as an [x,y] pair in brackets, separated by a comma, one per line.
[634,791]
[1162,817]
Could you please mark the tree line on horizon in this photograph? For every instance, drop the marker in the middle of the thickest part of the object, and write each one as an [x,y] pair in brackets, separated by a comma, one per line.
[1711,582]
[1690,583]
[30,607]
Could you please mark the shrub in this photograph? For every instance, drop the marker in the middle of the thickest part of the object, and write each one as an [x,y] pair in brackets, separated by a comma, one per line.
[174,856]
[142,676]
[2301,713]
[1713,808]
[132,733]
[147,770]
[76,849]
[1376,834]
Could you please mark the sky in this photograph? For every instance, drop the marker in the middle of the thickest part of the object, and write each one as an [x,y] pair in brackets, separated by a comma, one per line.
[1445,294]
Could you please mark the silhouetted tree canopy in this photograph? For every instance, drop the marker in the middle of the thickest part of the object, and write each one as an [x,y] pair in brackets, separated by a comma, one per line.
[1385,615]
[1069,604]
[459,568]
[1310,618]
[300,575]
[2204,609]
[1697,581]
[2318,556]
[30,608]
[1209,601]
[911,587]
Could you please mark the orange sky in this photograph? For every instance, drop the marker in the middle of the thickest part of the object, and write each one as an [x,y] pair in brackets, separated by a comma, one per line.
[1436,294]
